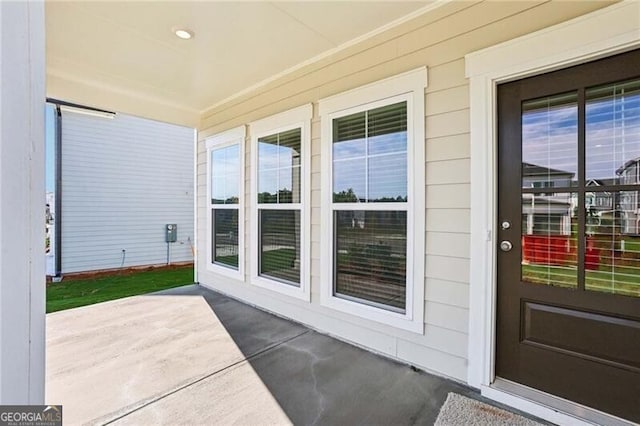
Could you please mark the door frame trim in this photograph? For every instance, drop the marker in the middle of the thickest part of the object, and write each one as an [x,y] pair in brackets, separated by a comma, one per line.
[605,32]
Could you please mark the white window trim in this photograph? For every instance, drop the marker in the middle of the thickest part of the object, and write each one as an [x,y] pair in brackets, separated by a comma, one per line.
[221,140]
[408,86]
[299,117]
[608,31]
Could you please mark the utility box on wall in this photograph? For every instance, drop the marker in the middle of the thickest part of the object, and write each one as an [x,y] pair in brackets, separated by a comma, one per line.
[171,232]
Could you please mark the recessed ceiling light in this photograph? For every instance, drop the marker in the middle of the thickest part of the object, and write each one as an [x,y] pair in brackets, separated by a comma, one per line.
[183,33]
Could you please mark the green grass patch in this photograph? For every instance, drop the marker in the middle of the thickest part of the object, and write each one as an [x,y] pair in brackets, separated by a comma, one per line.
[275,260]
[632,245]
[73,293]
[230,260]
[622,280]
[280,264]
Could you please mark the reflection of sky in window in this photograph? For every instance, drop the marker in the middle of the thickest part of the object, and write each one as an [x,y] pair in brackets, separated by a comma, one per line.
[383,144]
[349,148]
[387,165]
[612,130]
[350,174]
[267,156]
[225,172]
[278,157]
[550,136]
[612,138]
[388,176]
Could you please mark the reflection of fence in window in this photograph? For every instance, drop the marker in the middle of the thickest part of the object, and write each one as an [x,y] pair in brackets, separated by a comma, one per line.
[371,255]
[549,239]
[226,245]
[280,245]
[225,241]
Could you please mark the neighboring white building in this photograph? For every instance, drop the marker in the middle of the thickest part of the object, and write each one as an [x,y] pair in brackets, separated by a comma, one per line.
[123,180]
[629,201]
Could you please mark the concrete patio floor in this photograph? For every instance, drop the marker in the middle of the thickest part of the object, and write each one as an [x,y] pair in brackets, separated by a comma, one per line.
[193,356]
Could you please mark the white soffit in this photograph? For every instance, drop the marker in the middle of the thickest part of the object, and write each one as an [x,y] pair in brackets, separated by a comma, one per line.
[129,48]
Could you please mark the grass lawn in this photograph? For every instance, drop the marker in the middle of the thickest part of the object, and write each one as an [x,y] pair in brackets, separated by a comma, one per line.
[280,264]
[80,292]
[625,280]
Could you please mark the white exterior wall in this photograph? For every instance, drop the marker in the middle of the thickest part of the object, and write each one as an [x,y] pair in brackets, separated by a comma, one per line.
[22,201]
[123,180]
[438,40]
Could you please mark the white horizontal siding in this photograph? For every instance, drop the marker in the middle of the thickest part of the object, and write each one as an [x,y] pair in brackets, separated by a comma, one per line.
[439,41]
[123,180]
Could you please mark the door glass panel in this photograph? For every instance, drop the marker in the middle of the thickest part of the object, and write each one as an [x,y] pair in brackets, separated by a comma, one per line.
[549,239]
[550,141]
[613,133]
[612,248]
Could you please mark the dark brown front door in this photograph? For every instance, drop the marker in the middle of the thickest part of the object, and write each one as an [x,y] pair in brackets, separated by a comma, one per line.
[568,320]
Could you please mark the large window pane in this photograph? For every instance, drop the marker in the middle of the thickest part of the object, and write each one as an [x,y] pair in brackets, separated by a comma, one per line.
[279,163]
[613,133]
[549,239]
[225,175]
[279,252]
[370,257]
[612,249]
[225,237]
[370,155]
[550,142]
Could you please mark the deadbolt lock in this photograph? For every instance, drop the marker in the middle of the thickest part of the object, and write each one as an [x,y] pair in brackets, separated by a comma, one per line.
[506,246]
[506,225]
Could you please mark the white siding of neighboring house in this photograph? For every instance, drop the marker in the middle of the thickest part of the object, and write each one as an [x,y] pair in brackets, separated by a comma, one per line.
[123,179]
[438,40]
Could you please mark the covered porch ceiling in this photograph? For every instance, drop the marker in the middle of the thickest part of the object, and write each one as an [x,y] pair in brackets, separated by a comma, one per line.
[124,56]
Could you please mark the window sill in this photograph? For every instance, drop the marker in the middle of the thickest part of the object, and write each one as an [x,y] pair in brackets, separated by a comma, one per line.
[227,272]
[301,292]
[405,321]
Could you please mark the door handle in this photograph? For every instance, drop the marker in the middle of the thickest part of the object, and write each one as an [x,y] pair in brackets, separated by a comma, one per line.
[506,245]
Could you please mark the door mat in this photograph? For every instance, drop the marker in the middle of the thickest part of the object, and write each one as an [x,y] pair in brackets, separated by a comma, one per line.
[458,410]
